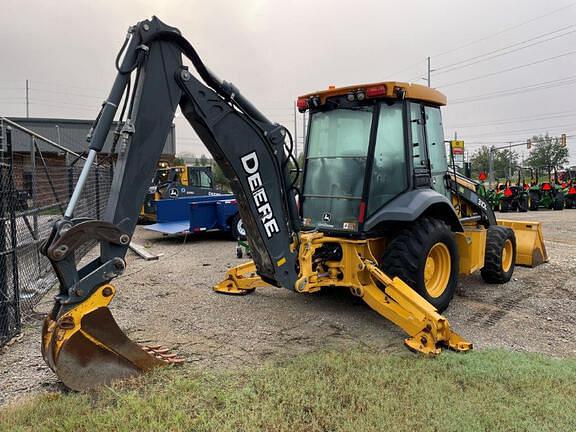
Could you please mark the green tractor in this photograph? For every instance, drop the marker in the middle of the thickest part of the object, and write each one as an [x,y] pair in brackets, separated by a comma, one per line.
[490,195]
[513,197]
[569,187]
[546,194]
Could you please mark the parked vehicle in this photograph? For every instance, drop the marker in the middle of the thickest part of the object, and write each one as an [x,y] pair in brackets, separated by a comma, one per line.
[548,193]
[569,188]
[198,214]
[175,182]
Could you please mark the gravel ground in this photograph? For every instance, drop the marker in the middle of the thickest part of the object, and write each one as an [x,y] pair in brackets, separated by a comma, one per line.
[170,301]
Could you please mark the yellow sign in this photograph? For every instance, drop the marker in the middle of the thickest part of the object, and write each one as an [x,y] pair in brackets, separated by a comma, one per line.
[457,147]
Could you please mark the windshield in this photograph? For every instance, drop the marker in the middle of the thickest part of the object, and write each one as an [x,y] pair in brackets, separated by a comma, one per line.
[335,165]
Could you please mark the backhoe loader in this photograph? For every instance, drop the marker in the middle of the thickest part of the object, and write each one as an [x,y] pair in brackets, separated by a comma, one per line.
[379,211]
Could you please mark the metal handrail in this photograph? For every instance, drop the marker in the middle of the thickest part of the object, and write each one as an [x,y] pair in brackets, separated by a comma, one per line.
[42,138]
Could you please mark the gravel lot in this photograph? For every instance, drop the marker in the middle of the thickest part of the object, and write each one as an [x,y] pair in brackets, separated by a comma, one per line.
[170,301]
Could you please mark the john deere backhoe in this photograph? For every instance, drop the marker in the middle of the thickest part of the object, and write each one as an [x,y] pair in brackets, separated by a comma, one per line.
[380,212]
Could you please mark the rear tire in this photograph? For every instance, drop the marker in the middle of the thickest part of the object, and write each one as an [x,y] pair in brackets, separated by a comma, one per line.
[523,204]
[534,203]
[559,201]
[500,255]
[570,203]
[425,256]
[504,206]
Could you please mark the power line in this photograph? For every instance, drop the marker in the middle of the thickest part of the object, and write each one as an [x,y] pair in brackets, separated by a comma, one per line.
[507,132]
[517,90]
[407,68]
[505,30]
[515,120]
[480,58]
[41,90]
[478,144]
[508,70]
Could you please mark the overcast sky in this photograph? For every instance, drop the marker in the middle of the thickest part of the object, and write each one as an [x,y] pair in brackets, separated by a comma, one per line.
[278,49]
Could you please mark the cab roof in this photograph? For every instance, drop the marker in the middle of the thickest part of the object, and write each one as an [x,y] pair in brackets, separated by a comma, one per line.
[385,89]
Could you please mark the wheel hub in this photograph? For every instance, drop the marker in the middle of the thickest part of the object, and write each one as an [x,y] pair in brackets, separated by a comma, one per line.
[437,270]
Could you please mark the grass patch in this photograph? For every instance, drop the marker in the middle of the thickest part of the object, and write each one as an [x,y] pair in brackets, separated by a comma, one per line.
[329,391]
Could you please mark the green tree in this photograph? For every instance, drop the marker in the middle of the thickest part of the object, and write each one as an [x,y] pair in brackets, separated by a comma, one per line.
[178,161]
[220,180]
[502,161]
[203,161]
[547,151]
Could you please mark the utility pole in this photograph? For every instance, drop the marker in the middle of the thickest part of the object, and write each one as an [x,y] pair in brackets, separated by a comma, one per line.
[509,159]
[27,100]
[295,132]
[428,76]
[490,167]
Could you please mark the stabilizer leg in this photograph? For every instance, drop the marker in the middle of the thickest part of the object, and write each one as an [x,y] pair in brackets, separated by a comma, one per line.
[428,330]
[240,280]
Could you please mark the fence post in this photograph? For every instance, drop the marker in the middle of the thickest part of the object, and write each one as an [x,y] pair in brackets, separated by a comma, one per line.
[4,331]
[34,192]
[13,232]
[7,209]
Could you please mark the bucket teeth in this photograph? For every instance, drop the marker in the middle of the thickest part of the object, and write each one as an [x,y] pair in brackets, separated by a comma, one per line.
[163,354]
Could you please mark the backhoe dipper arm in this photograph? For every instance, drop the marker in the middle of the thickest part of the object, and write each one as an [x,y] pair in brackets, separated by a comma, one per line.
[249,148]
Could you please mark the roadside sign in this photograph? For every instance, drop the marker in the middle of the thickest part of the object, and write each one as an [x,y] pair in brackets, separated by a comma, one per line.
[457,147]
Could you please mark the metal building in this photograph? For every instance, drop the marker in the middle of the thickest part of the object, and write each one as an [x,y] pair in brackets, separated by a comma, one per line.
[72,135]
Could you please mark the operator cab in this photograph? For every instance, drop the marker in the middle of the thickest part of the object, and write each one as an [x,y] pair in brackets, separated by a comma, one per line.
[366,146]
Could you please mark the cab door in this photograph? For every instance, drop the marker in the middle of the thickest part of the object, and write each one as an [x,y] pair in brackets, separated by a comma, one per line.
[436,148]
[419,150]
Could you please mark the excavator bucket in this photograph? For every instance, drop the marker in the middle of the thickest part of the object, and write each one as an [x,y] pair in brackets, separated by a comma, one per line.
[530,248]
[85,347]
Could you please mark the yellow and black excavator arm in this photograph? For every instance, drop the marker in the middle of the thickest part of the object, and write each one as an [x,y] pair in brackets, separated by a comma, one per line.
[80,337]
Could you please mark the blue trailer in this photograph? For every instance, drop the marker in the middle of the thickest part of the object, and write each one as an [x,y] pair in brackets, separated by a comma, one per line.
[195,214]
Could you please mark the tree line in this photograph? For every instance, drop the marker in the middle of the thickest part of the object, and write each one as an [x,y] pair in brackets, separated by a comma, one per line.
[545,151]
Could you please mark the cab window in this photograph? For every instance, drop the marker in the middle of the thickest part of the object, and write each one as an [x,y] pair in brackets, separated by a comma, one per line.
[389,175]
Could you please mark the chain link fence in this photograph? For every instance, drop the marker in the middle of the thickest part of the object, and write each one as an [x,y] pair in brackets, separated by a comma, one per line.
[35,186]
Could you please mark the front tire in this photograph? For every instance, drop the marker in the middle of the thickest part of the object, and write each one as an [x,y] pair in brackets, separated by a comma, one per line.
[500,255]
[425,256]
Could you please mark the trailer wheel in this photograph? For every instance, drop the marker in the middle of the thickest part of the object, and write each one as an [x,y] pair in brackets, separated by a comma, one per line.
[237,228]
[425,256]
[500,255]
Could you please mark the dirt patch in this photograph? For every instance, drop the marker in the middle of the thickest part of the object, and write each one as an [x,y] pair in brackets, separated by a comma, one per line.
[170,301]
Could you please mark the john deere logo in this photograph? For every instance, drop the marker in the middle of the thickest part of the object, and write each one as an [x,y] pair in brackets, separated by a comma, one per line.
[173,192]
[327,217]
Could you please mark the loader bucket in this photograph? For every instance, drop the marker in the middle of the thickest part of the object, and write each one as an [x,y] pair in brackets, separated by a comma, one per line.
[530,248]
[85,347]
